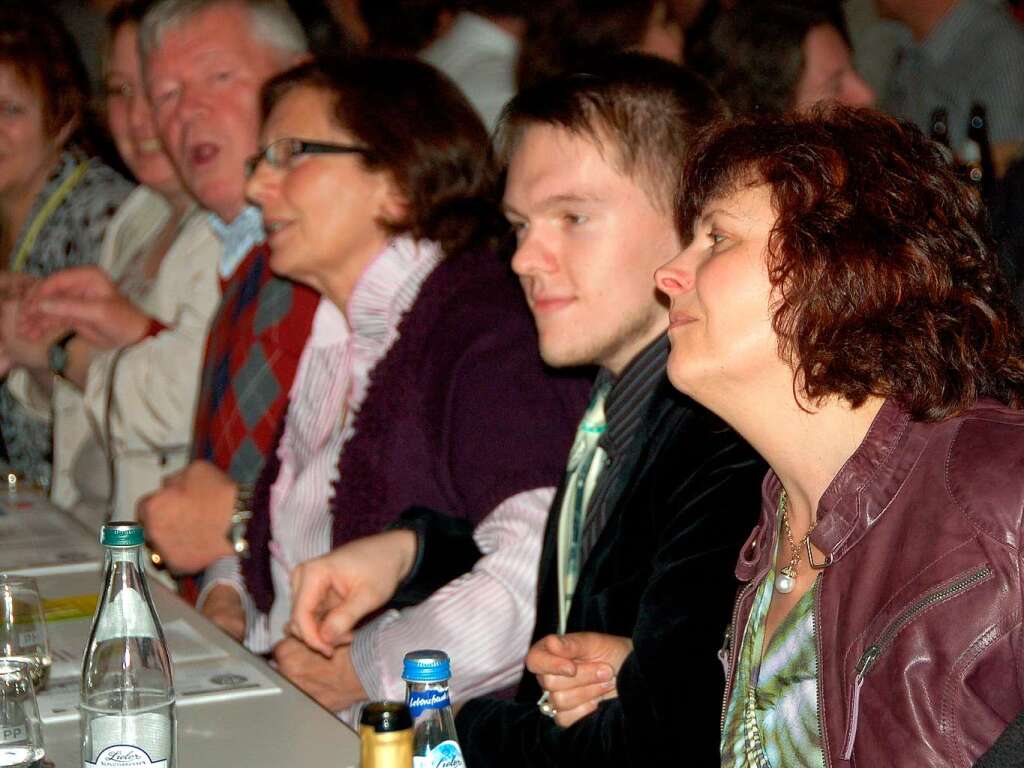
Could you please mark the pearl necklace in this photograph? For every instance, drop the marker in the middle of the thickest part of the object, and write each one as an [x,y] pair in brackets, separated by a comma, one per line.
[785,580]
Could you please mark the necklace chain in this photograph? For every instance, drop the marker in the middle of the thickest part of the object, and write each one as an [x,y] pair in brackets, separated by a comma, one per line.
[787,575]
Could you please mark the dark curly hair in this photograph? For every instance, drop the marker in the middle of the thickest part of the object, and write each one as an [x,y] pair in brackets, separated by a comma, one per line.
[886,281]
[420,129]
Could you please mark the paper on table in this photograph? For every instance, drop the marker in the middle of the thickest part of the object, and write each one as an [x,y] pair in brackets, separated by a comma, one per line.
[69,637]
[42,535]
[196,681]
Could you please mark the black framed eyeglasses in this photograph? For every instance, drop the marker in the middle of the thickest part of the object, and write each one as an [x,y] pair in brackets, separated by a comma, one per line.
[280,153]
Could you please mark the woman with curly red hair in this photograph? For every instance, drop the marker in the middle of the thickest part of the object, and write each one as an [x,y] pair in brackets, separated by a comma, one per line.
[840,306]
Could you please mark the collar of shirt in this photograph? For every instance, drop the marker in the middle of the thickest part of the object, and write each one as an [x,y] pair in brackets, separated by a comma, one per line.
[388,287]
[630,395]
[239,237]
[380,298]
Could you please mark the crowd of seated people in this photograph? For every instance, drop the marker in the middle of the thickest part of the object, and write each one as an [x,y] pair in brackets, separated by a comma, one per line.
[140,317]
[683,407]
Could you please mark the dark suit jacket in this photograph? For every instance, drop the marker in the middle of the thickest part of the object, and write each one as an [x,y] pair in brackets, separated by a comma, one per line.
[661,573]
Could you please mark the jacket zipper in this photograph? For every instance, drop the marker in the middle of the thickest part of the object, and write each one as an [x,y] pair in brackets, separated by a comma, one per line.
[817,667]
[876,649]
[730,651]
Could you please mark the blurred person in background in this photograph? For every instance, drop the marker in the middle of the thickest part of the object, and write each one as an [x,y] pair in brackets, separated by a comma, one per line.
[570,35]
[124,399]
[404,27]
[348,14]
[420,386]
[955,54]
[775,56]
[479,51]
[84,19]
[326,33]
[204,63]
[56,200]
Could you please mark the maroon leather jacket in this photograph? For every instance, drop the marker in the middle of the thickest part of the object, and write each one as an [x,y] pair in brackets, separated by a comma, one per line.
[918,611]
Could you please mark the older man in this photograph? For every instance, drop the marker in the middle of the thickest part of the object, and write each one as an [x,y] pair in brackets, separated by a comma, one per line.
[205,61]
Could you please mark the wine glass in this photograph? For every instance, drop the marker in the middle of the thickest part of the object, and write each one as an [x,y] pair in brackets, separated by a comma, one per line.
[22,627]
[21,738]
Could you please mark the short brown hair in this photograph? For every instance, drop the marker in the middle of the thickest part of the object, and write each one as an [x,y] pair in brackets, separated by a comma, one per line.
[649,110]
[886,282]
[45,57]
[420,129]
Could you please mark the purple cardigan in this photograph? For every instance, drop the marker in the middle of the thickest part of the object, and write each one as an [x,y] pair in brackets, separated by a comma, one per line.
[460,415]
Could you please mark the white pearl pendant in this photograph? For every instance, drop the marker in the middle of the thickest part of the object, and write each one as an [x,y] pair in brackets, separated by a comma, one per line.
[785,580]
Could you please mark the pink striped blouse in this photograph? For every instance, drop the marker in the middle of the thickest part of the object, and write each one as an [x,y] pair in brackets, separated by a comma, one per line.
[484,619]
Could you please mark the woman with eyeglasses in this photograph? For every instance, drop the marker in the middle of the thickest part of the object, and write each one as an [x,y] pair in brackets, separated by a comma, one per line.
[124,396]
[420,388]
[840,305]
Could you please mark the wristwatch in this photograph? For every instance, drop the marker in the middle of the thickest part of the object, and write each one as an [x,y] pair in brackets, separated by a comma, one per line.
[240,516]
[57,355]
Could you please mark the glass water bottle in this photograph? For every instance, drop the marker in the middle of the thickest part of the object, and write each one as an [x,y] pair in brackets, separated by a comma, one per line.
[127,693]
[435,744]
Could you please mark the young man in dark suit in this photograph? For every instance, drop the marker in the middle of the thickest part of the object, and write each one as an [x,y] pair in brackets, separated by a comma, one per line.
[636,571]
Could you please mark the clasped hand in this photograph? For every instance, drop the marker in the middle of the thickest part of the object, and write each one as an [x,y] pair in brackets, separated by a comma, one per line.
[578,670]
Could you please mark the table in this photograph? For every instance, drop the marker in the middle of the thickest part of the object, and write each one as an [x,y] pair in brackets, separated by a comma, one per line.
[273,724]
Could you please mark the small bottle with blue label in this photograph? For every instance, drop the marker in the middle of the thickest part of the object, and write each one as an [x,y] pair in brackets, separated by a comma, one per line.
[435,744]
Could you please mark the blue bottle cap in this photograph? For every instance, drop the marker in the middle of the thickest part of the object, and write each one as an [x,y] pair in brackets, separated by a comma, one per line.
[426,667]
[121,534]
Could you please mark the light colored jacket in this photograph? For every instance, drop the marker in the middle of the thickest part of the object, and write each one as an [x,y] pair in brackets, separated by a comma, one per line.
[150,387]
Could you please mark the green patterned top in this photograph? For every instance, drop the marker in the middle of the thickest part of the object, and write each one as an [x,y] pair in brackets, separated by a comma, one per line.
[772,717]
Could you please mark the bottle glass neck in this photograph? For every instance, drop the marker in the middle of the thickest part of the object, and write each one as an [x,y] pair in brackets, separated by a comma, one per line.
[130,555]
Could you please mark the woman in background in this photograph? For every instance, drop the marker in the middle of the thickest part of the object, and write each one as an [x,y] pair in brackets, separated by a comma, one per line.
[55,199]
[124,402]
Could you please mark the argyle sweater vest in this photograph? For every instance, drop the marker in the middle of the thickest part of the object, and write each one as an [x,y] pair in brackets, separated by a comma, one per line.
[252,354]
[460,415]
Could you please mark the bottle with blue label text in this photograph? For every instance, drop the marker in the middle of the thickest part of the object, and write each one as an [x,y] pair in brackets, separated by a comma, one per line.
[435,744]
[127,694]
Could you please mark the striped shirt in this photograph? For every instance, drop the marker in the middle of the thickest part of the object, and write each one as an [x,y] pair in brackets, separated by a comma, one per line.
[483,619]
[627,401]
[974,55]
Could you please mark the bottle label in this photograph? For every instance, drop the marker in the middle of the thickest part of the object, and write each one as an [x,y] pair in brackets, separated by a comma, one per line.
[423,701]
[445,755]
[125,756]
[127,615]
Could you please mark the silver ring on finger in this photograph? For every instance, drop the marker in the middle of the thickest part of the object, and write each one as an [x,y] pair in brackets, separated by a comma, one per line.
[544,705]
